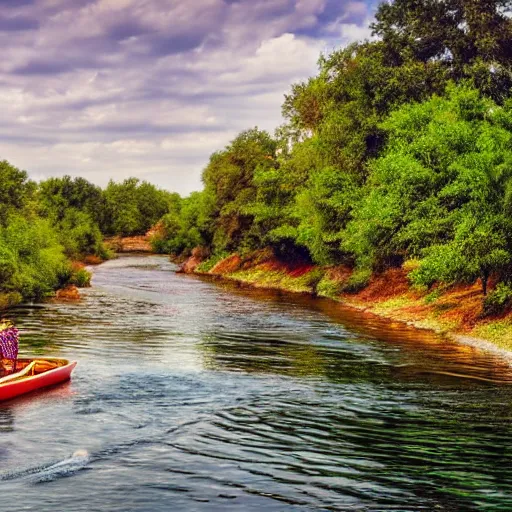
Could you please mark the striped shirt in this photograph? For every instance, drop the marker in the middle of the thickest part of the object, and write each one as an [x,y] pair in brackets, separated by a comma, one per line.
[9,343]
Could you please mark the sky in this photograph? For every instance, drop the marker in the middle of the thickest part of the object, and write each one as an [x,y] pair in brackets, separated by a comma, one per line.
[107,89]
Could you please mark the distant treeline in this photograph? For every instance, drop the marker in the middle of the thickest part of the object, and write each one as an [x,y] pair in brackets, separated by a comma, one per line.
[398,152]
[46,226]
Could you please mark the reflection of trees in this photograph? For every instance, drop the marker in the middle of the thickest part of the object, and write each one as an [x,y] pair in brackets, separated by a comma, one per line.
[418,362]
[413,450]
[253,352]
[105,323]
[6,419]
[410,354]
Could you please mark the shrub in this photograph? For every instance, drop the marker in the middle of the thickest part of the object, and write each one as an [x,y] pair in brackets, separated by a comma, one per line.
[104,252]
[433,296]
[313,277]
[8,300]
[32,262]
[81,278]
[498,301]
[329,287]
[207,265]
[411,265]
[80,235]
[159,245]
[358,280]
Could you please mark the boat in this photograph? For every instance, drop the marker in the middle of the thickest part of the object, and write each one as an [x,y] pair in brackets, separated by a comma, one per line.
[34,374]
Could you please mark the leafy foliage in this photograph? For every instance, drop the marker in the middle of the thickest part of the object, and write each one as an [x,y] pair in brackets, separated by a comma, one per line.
[31,259]
[466,38]
[229,182]
[15,191]
[133,207]
[499,300]
[184,227]
[440,191]
[76,208]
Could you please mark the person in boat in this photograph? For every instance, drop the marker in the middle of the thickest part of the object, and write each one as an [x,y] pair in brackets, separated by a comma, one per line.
[9,343]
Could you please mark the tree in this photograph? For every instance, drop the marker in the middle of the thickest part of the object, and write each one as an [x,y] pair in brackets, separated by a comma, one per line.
[133,207]
[186,226]
[469,38]
[15,190]
[441,191]
[57,195]
[229,182]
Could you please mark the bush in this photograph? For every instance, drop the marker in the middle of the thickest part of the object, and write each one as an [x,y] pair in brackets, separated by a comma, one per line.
[32,261]
[411,265]
[313,277]
[358,280]
[80,235]
[159,245]
[207,265]
[498,301]
[81,278]
[8,300]
[104,252]
[329,287]
[433,296]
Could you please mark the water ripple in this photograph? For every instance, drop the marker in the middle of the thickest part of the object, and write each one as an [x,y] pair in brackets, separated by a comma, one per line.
[200,396]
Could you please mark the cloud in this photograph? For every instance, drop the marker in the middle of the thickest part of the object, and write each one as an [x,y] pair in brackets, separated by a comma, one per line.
[18,23]
[150,88]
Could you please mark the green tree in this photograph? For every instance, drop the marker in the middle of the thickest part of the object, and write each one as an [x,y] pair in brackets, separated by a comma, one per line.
[469,38]
[133,207]
[57,195]
[229,184]
[185,227]
[76,208]
[441,191]
[16,190]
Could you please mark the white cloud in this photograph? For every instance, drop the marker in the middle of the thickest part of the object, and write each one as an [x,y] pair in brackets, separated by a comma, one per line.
[150,88]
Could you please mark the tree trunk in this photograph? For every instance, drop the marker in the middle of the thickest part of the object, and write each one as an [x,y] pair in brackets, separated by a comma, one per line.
[485,279]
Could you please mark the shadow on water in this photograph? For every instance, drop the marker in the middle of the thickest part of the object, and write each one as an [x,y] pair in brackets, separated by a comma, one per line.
[197,395]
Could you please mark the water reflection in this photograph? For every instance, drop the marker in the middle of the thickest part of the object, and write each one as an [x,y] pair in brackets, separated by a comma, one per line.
[391,351]
[6,419]
[206,397]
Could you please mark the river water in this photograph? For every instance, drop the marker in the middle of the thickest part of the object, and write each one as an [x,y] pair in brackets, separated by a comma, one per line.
[191,395]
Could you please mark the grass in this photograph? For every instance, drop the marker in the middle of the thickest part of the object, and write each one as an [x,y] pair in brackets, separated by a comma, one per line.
[393,304]
[8,300]
[278,279]
[499,333]
[208,264]
[329,288]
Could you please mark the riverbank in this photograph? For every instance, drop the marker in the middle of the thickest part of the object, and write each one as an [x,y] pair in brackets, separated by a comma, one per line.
[79,277]
[133,244]
[127,244]
[455,312]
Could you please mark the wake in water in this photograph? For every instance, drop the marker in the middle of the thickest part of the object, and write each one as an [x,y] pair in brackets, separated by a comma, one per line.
[51,472]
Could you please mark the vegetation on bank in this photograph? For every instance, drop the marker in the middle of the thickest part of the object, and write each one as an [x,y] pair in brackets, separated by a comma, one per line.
[45,227]
[396,155]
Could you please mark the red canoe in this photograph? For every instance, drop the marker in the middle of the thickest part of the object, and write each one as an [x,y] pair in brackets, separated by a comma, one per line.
[35,374]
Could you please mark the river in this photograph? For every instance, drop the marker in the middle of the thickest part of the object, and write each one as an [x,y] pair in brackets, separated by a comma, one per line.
[194,395]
